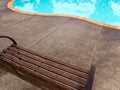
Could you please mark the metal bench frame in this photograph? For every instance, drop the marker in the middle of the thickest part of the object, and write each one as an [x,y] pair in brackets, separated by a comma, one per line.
[43,71]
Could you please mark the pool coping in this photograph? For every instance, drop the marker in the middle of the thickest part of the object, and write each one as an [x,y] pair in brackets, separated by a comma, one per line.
[10,6]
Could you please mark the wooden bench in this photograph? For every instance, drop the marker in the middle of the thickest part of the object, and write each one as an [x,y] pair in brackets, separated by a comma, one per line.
[44,72]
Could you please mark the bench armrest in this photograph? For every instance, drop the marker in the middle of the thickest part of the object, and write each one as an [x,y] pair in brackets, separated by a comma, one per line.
[14,42]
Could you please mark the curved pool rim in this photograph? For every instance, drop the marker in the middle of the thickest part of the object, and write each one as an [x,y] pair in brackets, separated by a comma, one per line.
[10,6]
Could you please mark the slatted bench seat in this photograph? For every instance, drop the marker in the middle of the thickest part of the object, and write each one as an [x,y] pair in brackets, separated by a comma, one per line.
[44,72]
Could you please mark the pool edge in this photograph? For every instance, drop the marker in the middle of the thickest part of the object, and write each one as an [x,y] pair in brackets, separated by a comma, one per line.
[10,6]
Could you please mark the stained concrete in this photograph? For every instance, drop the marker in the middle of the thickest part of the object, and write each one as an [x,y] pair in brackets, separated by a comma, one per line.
[70,40]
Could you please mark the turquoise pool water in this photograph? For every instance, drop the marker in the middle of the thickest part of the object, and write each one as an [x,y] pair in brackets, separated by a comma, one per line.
[106,11]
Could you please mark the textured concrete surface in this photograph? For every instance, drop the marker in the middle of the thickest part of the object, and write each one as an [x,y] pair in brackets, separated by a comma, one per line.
[71,40]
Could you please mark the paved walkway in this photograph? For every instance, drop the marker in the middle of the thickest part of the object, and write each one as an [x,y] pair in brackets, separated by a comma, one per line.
[71,40]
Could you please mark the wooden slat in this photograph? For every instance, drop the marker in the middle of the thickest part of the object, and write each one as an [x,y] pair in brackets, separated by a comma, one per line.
[45,57]
[44,71]
[28,75]
[6,67]
[41,83]
[54,64]
[48,67]
[36,74]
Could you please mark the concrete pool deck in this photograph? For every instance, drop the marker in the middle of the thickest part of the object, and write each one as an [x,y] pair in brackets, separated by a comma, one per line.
[71,40]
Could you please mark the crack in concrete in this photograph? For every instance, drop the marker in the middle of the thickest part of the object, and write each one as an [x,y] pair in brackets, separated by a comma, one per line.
[94,53]
[48,34]
[10,26]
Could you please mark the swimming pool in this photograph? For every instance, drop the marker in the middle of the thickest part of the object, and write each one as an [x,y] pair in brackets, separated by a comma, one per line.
[102,12]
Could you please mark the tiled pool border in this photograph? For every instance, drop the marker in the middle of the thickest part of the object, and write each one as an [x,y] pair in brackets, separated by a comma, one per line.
[10,6]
